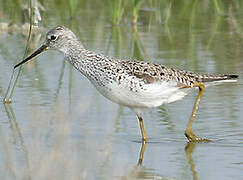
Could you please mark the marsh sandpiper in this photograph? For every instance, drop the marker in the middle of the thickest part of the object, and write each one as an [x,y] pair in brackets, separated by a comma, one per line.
[135,84]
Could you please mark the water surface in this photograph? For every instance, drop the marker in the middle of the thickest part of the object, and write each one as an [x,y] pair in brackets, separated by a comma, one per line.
[59,127]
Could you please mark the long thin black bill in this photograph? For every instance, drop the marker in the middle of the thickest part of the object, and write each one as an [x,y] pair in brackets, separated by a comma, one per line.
[38,51]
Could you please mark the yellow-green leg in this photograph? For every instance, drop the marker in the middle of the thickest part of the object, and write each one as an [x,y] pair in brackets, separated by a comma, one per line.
[142,128]
[189,132]
[141,154]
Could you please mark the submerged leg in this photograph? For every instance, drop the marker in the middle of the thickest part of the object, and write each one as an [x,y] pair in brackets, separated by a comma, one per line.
[142,128]
[141,154]
[189,133]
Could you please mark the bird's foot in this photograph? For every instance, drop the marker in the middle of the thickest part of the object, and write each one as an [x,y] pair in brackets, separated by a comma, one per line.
[193,138]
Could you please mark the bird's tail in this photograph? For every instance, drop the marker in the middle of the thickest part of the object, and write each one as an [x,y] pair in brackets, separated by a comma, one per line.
[215,78]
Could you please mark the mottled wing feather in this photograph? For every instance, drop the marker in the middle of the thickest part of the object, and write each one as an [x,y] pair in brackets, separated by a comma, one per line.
[150,73]
[146,77]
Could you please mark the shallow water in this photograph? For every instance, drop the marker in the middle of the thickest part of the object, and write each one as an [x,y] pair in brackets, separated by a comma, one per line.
[59,127]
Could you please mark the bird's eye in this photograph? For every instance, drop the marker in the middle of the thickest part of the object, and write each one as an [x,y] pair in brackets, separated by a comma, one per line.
[53,37]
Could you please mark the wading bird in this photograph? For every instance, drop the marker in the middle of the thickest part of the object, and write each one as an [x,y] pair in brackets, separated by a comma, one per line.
[134,84]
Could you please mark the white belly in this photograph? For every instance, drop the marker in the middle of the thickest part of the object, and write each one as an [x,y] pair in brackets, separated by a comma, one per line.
[152,95]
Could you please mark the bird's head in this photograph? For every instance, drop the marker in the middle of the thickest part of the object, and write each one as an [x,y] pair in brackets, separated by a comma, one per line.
[58,38]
